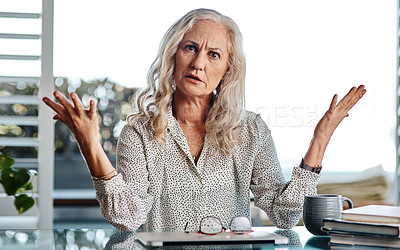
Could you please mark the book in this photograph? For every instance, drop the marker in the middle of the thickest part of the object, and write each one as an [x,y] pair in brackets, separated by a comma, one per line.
[365,228]
[363,240]
[373,213]
[349,247]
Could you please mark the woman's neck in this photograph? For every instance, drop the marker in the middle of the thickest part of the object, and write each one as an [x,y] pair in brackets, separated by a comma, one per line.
[191,112]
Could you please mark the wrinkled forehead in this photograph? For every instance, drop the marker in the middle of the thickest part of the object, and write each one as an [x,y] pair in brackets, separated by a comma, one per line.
[212,33]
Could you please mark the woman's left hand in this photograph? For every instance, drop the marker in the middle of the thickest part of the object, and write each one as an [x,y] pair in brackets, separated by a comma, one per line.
[329,122]
[337,112]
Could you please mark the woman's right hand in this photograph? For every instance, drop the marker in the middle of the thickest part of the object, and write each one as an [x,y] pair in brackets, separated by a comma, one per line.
[83,123]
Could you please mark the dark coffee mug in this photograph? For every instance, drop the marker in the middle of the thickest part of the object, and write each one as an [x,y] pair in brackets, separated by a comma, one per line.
[322,206]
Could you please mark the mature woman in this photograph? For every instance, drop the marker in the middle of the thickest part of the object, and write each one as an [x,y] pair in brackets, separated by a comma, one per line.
[191,150]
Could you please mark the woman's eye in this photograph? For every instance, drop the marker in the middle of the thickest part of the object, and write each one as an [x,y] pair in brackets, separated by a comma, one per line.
[190,47]
[214,55]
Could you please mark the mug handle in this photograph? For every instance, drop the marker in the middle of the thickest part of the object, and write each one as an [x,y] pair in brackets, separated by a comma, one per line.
[349,202]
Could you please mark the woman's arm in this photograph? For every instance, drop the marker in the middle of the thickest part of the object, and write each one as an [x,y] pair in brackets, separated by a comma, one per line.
[282,201]
[329,122]
[123,200]
[83,123]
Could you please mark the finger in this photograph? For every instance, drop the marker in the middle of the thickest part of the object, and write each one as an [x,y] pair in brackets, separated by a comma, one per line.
[352,97]
[58,117]
[53,105]
[348,100]
[92,109]
[77,103]
[361,91]
[65,121]
[350,94]
[67,104]
[333,102]
[358,94]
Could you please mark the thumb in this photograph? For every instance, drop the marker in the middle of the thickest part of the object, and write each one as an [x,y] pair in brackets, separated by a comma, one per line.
[333,102]
[58,117]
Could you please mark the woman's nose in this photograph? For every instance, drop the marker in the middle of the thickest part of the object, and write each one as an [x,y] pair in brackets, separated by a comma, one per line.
[199,61]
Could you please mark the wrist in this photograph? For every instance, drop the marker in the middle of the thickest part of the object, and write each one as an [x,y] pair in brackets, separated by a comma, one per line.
[314,169]
[321,138]
[90,147]
[106,177]
[97,160]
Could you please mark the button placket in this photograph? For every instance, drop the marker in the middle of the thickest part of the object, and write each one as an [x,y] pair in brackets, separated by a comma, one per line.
[203,196]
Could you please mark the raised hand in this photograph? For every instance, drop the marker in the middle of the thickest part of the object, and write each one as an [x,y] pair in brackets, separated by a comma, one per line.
[329,122]
[338,111]
[83,123]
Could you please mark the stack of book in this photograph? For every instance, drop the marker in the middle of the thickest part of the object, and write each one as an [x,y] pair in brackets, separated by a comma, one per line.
[372,225]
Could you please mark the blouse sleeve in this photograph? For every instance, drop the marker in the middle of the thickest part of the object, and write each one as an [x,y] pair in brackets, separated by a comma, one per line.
[281,200]
[124,200]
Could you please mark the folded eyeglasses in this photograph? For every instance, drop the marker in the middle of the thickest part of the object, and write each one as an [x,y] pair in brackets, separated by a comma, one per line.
[213,225]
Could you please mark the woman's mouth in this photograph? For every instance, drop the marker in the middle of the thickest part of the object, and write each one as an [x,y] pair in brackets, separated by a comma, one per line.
[194,79]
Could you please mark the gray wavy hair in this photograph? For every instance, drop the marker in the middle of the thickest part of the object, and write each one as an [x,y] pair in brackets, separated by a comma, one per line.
[224,116]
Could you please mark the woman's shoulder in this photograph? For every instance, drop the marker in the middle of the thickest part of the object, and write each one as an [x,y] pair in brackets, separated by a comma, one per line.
[136,125]
[127,131]
[253,126]
[253,132]
[253,120]
[249,115]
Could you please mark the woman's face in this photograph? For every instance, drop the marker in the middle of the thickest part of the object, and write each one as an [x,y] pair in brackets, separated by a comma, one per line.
[202,59]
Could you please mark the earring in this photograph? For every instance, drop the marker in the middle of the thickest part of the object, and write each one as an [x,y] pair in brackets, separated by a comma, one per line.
[218,88]
[173,84]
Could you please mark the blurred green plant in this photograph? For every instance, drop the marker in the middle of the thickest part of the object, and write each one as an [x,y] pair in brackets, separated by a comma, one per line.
[16,182]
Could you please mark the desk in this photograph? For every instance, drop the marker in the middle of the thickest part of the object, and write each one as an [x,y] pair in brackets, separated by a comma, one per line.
[299,237]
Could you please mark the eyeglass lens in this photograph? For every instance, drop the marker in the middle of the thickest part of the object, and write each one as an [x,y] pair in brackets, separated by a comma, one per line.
[240,224]
[213,225]
[210,225]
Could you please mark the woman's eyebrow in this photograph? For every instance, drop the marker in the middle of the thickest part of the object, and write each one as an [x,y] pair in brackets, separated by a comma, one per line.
[197,45]
[218,49]
[192,42]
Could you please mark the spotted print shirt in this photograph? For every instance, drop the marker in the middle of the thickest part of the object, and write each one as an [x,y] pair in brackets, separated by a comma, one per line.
[161,188]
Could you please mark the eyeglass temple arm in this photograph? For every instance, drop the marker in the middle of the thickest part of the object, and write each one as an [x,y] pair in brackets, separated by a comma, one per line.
[187,223]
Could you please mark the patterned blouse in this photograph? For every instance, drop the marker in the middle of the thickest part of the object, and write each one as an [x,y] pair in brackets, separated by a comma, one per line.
[161,188]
